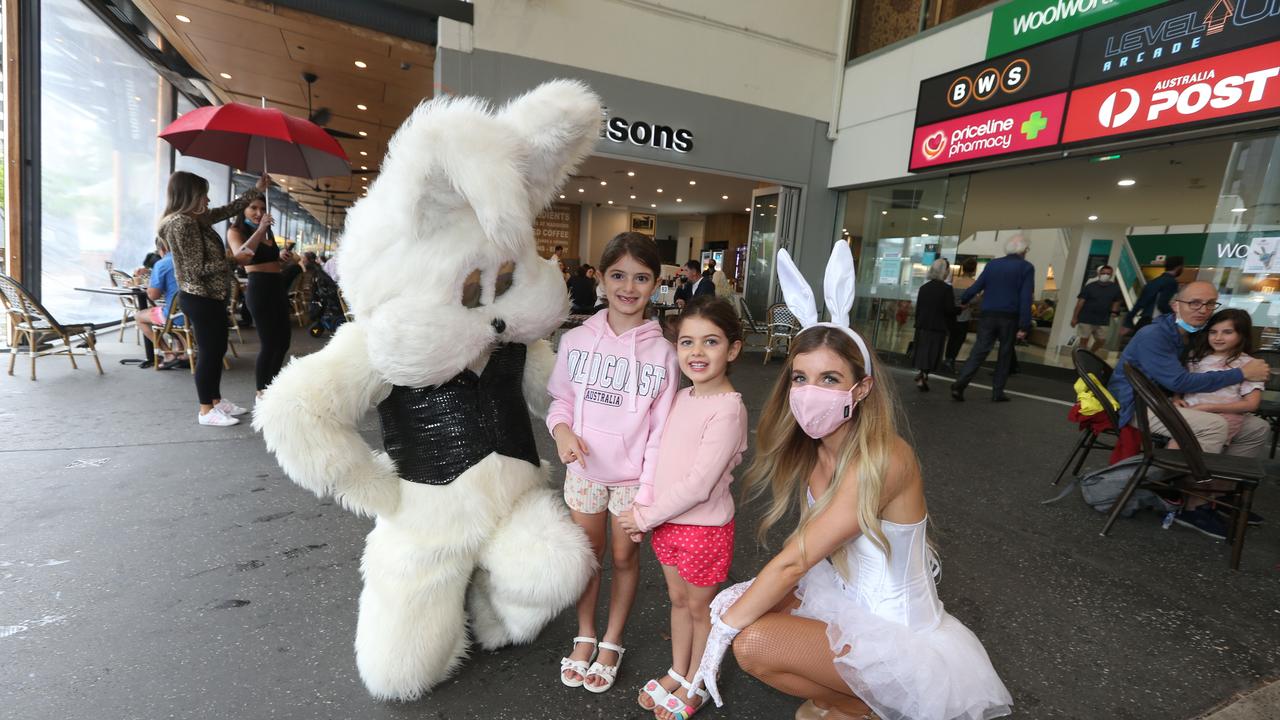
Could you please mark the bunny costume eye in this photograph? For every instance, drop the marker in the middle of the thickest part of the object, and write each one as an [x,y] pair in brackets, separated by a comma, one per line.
[838,290]
[471,290]
[506,276]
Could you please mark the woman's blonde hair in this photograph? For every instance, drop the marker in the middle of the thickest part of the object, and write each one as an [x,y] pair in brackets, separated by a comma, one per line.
[785,456]
[186,192]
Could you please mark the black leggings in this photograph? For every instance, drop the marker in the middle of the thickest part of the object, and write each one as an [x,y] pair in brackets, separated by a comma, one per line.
[268,301]
[208,318]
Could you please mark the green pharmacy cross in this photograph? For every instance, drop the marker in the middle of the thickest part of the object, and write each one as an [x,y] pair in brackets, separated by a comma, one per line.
[1033,125]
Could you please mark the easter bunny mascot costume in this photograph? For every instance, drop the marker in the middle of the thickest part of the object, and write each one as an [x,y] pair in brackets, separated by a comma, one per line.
[450,300]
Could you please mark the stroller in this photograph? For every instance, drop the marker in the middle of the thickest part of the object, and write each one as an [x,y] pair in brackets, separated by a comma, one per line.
[326,311]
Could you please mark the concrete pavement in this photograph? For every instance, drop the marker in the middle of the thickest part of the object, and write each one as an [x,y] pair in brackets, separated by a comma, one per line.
[152,568]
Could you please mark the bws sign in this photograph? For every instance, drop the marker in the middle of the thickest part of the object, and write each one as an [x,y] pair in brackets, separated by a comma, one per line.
[1023,126]
[1172,34]
[1000,81]
[1023,23]
[1226,86]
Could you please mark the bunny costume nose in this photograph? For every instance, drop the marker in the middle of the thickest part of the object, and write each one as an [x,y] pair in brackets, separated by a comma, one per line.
[499,325]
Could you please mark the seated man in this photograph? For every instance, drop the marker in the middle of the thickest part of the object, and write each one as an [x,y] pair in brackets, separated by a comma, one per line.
[695,284]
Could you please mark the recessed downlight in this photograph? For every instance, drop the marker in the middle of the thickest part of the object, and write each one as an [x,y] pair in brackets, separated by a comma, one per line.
[1127,182]
[631,173]
[604,182]
[365,153]
[939,216]
[361,106]
[724,197]
[561,196]
[884,212]
[653,205]
[225,76]
[659,189]
[679,199]
[362,133]
[362,64]
[610,202]
[1093,217]
[747,209]
[1239,210]
[183,18]
[693,182]
[633,197]
[364,167]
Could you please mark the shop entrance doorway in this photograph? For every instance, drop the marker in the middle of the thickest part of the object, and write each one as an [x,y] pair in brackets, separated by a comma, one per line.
[775,218]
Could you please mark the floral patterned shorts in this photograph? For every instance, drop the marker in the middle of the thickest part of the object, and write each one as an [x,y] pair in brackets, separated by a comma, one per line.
[585,496]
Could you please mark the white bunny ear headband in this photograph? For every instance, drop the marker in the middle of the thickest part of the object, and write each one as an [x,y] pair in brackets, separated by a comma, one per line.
[838,289]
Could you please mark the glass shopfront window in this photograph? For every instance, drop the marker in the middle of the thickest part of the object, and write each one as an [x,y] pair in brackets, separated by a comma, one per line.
[101,164]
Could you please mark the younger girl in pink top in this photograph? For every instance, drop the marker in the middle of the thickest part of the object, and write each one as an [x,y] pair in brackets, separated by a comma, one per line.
[691,510]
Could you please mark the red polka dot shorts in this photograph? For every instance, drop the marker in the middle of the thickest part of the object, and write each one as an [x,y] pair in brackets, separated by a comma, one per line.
[701,554]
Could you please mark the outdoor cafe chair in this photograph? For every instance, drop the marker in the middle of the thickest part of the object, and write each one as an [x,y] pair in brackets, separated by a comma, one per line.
[128,303]
[1096,373]
[781,326]
[180,339]
[1188,463]
[32,324]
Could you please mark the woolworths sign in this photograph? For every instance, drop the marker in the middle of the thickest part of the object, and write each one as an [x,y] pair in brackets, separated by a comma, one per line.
[1020,23]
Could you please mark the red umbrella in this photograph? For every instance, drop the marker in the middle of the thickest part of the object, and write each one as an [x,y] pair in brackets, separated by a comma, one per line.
[257,139]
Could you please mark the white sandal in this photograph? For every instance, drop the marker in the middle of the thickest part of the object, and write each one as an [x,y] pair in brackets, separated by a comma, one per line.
[654,690]
[608,672]
[578,666]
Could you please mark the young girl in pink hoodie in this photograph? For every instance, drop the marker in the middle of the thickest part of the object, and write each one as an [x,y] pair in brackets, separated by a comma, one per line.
[691,511]
[612,386]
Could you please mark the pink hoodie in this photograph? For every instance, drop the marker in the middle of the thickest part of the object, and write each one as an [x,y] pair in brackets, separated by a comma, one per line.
[594,391]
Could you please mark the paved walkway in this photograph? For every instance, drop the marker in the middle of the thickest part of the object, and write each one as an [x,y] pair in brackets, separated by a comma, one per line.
[151,568]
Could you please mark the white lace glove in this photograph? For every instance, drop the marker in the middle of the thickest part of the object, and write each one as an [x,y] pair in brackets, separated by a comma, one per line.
[719,640]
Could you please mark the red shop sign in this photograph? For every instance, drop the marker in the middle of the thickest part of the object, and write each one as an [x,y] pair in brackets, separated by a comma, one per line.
[1010,129]
[1233,84]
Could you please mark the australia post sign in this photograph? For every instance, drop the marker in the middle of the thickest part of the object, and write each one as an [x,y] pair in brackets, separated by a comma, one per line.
[1238,83]
[1013,128]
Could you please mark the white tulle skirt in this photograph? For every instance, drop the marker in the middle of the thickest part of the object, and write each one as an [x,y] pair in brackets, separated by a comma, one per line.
[941,673]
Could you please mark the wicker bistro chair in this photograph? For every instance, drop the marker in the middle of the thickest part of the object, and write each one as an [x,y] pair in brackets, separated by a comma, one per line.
[300,298]
[750,326]
[128,303]
[233,315]
[1188,462]
[1089,367]
[180,338]
[30,322]
[781,326]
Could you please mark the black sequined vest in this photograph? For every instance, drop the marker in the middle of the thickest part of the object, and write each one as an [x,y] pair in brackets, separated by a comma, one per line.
[436,433]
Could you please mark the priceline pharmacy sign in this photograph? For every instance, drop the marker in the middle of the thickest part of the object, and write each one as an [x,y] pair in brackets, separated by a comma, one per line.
[1022,23]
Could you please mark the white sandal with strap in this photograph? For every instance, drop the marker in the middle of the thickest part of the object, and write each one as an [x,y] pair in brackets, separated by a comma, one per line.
[578,666]
[659,694]
[682,710]
[608,672]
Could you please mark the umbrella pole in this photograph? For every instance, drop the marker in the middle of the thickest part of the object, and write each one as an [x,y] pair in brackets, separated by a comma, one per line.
[266,193]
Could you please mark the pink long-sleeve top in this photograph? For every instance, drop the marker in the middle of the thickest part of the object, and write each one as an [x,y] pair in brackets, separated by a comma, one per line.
[702,443]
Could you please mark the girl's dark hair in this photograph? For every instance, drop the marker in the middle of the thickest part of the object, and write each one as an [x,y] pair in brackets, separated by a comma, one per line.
[238,223]
[640,247]
[969,266]
[1239,319]
[714,309]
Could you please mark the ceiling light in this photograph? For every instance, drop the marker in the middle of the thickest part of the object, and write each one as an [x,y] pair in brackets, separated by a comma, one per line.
[653,205]
[724,197]
[1093,217]
[363,134]
[581,190]
[924,218]
[361,64]
[659,189]
[633,197]
[610,202]
[1127,182]
[1239,210]
[939,216]
[884,212]
[364,167]
[183,18]
[693,182]
[747,209]
[362,152]
[225,76]
[631,173]
[679,199]
[361,106]
[603,182]
[562,196]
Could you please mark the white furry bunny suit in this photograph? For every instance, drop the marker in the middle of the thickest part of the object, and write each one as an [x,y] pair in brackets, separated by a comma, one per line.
[446,334]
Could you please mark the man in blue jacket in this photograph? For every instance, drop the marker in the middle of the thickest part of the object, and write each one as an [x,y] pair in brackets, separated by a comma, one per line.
[1156,352]
[1154,301]
[1007,284]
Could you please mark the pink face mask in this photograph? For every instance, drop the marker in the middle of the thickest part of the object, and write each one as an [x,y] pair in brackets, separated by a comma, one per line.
[820,411]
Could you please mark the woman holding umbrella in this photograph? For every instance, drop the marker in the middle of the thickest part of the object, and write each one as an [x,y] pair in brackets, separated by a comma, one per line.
[254,246]
[204,281]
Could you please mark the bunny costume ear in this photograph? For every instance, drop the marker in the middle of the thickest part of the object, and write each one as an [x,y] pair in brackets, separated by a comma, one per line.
[838,290]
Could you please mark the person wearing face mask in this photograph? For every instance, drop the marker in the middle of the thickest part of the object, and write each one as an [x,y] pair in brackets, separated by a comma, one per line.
[1157,349]
[253,245]
[847,614]
[1098,300]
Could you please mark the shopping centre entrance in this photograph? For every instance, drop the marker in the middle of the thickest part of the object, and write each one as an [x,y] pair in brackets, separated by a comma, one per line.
[1211,201]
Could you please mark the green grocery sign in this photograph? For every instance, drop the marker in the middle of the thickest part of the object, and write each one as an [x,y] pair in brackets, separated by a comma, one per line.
[1021,23]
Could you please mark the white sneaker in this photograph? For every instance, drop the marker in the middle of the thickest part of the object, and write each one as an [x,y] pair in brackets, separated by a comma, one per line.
[217,418]
[230,408]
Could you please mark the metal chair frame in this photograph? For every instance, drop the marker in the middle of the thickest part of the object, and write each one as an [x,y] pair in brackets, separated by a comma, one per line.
[128,303]
[1188,461]
[1269,410]
[29,320]
[1089,366]
[186,334]
[781,325]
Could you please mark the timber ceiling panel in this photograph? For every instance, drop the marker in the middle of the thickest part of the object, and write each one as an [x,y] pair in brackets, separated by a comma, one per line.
[266,49]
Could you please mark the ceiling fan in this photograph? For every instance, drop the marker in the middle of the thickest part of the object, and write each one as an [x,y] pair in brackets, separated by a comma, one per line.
[321,116]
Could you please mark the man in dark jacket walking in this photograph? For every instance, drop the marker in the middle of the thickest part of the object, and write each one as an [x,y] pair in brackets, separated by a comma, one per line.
[1007,284]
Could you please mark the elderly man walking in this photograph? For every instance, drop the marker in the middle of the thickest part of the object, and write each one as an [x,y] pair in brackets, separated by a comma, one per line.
[1007,284]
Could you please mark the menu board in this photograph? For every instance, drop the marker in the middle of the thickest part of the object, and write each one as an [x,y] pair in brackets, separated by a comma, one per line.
[557,225]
